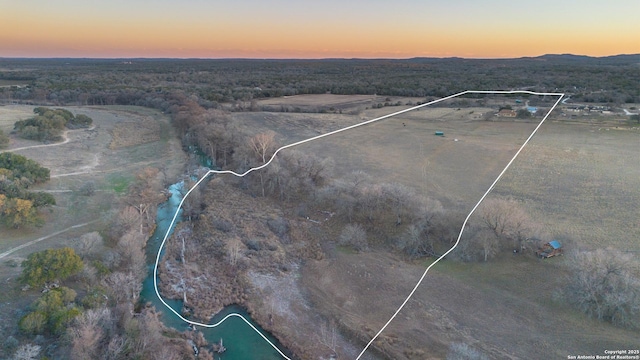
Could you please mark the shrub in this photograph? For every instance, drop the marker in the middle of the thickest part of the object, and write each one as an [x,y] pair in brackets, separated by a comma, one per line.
[278,226]
[33,323]
[354,236]
[88,188]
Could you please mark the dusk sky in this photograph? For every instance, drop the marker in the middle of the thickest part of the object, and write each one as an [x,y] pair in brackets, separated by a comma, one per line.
[317,29]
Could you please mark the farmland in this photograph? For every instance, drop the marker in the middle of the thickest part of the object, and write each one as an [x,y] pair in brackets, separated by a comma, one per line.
[577,179]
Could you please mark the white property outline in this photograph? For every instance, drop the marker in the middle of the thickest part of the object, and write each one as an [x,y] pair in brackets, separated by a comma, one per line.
[175,216]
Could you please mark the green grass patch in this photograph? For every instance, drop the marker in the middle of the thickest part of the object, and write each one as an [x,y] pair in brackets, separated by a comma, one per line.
[119,183]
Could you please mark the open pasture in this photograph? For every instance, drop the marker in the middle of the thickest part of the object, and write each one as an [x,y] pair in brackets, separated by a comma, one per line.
[579,181]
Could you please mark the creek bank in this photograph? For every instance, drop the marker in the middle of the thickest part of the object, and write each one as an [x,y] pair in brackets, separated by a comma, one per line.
[240,340]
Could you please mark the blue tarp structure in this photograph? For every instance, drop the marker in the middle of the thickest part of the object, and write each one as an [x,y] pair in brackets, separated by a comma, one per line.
[555,244]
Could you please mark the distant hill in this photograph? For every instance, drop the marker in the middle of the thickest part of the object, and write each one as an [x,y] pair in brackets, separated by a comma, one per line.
[623,59]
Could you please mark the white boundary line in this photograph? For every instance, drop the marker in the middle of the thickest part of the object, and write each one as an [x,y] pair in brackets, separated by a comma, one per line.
[175,216]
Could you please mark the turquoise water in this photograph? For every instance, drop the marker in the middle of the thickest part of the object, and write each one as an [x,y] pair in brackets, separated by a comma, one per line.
[241,341]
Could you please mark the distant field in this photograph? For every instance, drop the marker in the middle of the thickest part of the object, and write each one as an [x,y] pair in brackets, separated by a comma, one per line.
[8,83]
[352,104]
[321,100]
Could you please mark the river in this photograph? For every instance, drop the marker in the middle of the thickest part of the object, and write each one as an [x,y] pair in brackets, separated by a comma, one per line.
[241,341]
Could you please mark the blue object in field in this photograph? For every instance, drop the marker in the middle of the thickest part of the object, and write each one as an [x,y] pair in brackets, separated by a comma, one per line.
[439,133]
[555,244]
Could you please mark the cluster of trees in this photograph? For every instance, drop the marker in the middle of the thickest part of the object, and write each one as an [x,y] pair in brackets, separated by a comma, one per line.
[91,297]
[18,206]
[52,311]
[603,285]
[501,225]
[48,124]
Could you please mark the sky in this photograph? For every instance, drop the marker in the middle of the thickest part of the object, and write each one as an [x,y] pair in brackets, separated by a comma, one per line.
[317,29]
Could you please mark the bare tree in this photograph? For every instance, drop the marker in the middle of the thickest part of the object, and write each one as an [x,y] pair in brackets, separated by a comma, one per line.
[233,250]
[116,348]
[416,242]
[488,244]
[402,200]
[88,243]
[88,331]
[603,286]
[369,201]
[142,194]
[131,250]
[193,205]
[27,352]
[124,287]
[329,335]
[507,220]
[88,188]
[355,236]
[357,178]
[263,145]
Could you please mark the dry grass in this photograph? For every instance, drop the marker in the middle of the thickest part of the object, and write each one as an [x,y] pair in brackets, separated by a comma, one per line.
[579,181]
[141,131]
[582,183]
[503,309]
[9,114]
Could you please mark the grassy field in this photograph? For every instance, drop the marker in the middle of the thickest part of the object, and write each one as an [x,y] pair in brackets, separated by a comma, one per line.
[87,156]
[578,179]
[90,155]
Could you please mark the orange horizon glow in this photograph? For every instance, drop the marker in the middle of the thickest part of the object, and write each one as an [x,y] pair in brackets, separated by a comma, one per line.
[83,33]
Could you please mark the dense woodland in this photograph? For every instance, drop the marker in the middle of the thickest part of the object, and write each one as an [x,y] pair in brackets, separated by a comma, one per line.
[211,82]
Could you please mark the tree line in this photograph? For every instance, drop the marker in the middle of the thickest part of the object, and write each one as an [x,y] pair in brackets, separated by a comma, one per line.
[212,82]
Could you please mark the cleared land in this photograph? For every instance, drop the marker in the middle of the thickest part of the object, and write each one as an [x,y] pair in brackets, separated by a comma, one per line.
[577,179]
